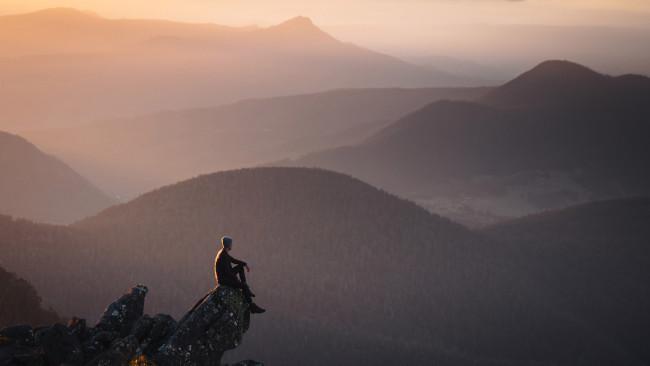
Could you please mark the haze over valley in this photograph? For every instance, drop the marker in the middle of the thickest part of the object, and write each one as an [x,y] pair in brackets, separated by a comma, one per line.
[63,67]
[434,182]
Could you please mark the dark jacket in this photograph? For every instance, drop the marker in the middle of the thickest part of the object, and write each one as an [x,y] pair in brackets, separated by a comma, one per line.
[223,270]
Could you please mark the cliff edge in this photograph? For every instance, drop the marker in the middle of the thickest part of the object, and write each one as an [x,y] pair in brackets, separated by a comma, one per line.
[125,336]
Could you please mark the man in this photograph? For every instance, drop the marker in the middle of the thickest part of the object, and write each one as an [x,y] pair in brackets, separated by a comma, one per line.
[230,276]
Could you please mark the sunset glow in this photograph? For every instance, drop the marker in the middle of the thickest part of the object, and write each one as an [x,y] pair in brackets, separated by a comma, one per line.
[327,182]
[382,16]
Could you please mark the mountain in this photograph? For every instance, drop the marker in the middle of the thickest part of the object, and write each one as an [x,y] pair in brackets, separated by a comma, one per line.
[131,156]
[63,67]
[348,272]
[558,135]
[594,259]
[563,82]
[20,303]
[40,187]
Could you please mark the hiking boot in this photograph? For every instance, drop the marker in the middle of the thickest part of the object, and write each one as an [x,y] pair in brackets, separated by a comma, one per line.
[256,309]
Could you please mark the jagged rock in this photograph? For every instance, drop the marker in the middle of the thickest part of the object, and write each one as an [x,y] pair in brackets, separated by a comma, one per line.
[78,328]
[247,363]
[124,336]
[97,343]
[121,315]
[15,355]
[59,345]
[20,334]
[17,346]
[120,353]
[152,332]
[214,326]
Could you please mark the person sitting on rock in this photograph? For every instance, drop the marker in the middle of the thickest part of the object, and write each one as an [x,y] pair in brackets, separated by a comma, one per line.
[230,276]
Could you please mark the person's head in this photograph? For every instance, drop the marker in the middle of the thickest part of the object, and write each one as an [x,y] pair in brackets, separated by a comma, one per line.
[226,243]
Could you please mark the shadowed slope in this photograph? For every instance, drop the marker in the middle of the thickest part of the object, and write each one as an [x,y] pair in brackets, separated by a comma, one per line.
[349,272]
[558,135]
[20,304]
[40,187]
[595,260]
[564,82]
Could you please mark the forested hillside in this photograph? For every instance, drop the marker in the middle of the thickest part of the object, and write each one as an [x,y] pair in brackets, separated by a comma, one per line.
[594,260]
[558,135]
[336,261]
[40,187]
[20,304]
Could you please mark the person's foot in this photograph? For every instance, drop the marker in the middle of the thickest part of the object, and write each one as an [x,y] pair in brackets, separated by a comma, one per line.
[256,309]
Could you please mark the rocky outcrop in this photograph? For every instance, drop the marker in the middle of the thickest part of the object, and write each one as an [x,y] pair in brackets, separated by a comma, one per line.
[125,336]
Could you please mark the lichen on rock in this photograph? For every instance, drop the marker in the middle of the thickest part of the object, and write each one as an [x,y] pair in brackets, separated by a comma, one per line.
[125,336]
[213,326]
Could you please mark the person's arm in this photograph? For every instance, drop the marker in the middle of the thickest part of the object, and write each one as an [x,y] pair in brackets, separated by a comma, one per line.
[237,261]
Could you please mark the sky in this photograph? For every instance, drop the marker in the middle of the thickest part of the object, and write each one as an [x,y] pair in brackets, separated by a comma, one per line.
[414,14]
[456,28]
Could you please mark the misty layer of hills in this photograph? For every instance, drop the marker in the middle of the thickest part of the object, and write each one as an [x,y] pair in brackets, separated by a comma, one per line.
[557,135]
[132,156]
[40,187]
[20,304]
[353,274]
[61,67]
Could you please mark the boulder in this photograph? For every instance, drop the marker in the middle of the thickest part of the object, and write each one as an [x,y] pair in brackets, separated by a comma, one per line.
[20,334]
[124,336]
[213,326]
[247,363]
[121,352]
[153,332]
[121,315]
[78,328]
[59,346]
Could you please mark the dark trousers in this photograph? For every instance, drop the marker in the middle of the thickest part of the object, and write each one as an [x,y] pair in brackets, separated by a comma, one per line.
[238,281]
[240,271]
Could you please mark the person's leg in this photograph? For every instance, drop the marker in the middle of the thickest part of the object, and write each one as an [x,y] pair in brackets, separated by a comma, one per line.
[241,272]
[241,284]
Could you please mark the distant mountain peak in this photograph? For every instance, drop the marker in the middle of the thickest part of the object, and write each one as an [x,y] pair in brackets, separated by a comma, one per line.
[551,82]
[562,69]
[299,22]
[62,13]
[300,27]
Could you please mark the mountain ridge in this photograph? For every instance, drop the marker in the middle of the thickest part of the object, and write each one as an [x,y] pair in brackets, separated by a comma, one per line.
[175,65]
[325,247]
[66,12]
[170,146]
[38,186]
[562,82]
[516,150]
